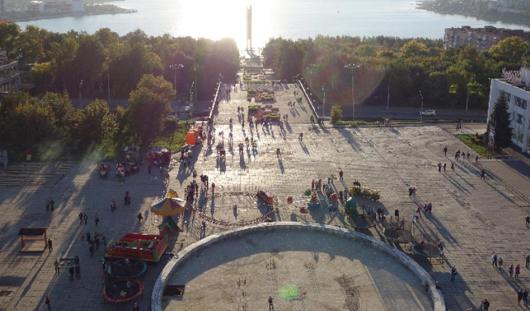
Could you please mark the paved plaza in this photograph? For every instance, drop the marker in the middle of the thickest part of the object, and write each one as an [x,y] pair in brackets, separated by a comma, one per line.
[473,217]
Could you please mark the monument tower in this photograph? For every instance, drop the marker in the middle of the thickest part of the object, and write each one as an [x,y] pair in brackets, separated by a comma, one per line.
[249,31]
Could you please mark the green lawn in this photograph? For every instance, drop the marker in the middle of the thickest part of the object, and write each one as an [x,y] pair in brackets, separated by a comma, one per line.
[474,143]
[173,141]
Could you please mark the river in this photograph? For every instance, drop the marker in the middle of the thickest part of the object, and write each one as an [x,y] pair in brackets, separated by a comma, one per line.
[271,18]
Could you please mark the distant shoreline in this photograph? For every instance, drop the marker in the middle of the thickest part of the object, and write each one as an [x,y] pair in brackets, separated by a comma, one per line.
[100,9]
[481,13]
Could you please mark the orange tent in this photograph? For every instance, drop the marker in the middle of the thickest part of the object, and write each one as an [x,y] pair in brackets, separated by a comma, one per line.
[191,138]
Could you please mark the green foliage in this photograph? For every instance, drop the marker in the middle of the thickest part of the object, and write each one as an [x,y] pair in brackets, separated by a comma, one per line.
[170,125]
[475,143]
[336,113]
[29,124]
[174,140]
[148,107]
[402,65]
[83,64]
[511,52]
[500,123]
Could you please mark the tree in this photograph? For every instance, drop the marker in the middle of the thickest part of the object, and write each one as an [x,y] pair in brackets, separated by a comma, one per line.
[500,123]
[28,125]
[148,107]
[336,113]
[511,51]
[91,125]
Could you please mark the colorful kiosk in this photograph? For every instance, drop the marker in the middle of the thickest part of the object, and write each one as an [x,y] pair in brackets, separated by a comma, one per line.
[167,208]
[145,247]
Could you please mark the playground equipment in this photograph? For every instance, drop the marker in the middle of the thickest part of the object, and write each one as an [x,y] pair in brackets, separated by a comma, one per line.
[122,291]
[125,268]
[146,247]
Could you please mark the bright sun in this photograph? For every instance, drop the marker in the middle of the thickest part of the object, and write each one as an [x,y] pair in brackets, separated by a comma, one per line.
[219,19]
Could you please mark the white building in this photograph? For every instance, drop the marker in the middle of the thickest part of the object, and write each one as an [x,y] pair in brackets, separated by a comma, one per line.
[515,85]
[78,6]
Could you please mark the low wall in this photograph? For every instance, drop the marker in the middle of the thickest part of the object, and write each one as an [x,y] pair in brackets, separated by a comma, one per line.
[302,87]
[425,278]
[215,102]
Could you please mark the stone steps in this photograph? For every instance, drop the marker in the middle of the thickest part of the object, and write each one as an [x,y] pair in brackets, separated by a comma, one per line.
[34,173]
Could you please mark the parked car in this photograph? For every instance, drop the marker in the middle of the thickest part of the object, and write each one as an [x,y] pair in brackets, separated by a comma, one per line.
[428,112]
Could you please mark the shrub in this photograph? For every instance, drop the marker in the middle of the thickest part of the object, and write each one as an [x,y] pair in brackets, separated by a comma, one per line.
[336,113]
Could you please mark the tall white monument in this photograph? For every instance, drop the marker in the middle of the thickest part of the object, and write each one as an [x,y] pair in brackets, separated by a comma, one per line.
[249,30]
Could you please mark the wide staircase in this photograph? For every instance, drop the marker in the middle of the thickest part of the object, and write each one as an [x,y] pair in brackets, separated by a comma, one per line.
[34,173]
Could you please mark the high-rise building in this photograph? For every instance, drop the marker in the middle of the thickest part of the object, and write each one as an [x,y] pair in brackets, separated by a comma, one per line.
[9,74]
[480,38]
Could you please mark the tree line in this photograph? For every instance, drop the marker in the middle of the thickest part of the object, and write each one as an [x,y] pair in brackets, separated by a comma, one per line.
[104,63]
[395,69]
[136,67]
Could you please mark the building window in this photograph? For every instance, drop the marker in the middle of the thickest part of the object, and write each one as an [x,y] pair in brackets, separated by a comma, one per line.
[521,103]
[519,119]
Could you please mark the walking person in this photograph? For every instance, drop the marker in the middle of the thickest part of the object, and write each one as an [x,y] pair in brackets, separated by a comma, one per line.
[453,273]
[127,199]
[271,305]
[85,218]
[56,266]
[527,263]
[452,166]
[136,307]
[517,271]
[494,260]
[510,270]
[80,218]
[445,151]
[439,167]
[341,175]
[485,305]
[47,303]
[396,214]
[50,245]
[519,296]
[525,297]
[77,269]
[71,272]
[96,219]
[140,217]
[112,205]
[527,220]
[445,167]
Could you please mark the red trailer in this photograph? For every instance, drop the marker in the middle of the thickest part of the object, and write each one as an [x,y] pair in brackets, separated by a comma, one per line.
[146,247]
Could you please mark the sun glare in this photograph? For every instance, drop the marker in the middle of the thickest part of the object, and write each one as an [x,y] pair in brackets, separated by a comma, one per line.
[217,19]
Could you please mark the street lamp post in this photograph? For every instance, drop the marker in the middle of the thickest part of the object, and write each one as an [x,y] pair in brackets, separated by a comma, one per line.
[352,67]
[421,107]
[323,100]
[312,68]
[175,67]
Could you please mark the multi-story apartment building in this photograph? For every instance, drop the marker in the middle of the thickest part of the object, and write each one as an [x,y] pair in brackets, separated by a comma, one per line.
[9,74]
[480,38]
[515,86]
